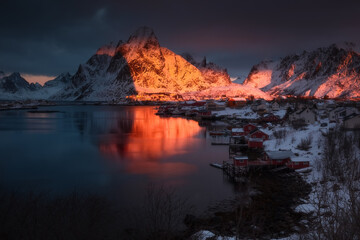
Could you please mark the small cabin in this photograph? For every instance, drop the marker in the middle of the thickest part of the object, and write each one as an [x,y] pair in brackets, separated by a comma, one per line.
[240,161]
[298,164]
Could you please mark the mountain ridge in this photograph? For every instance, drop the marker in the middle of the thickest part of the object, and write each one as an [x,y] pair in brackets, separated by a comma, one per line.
[332,71]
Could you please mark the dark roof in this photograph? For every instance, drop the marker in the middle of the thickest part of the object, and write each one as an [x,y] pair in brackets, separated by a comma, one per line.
[350,116]
[299,112]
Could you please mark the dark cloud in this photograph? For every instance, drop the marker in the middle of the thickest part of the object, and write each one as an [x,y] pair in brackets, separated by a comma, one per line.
[50,37]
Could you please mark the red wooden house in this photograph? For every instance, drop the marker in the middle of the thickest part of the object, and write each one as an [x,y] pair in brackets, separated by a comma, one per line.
[249,128]
[237,132]
[240,161]
[255,143]
[278,158]
[270,118]
[259,135]
[298,164]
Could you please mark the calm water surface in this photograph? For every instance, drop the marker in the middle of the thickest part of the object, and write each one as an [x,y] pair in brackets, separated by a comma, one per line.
[114,151]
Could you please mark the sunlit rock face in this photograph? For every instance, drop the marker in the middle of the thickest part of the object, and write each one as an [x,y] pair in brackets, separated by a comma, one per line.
[333,71]
[140,65]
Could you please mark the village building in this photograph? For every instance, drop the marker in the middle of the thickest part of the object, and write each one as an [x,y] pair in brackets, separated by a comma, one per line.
[259,135]
[275,106]
[237,132]
[255,143]
[339,113]
[236,102]
[283,158]
[249,128]
[307,115]
[240,161]
[215,106]
[352,122]
[269,117]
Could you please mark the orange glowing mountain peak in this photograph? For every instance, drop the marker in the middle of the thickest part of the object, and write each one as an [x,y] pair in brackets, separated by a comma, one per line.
[141,65]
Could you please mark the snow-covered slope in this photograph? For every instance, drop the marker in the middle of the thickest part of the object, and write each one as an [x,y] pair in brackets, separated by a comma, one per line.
[333,71]
[232,90]
[139,65]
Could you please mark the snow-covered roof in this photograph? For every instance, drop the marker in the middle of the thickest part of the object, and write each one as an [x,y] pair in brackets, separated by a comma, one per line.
[280,113]
[279,154]
[241,158]
[237,130]
[266,131]
[298,159]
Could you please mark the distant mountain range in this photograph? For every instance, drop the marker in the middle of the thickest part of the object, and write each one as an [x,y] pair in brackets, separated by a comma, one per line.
[332,71]
[140,65]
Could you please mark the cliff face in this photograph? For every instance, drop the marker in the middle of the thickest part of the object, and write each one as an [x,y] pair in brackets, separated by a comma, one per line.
[333,71]
[139,65]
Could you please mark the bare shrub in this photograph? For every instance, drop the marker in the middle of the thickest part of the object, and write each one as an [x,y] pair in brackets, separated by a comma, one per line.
[161,215]
[335,213]
[340,159]
[305,144]
[280,134]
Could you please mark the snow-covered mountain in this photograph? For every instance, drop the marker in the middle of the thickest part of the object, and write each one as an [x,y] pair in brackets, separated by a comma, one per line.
[14,86]
[333,71]
[136,66]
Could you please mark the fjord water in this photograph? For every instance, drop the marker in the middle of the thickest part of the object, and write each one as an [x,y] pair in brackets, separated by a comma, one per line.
[113,151]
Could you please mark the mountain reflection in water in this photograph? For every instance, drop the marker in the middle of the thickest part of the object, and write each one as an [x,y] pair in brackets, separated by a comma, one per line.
[143,142]
[115,151]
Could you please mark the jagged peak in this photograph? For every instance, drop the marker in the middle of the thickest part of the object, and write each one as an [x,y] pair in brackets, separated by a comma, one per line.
[15,74]
[144,37]
[108,49]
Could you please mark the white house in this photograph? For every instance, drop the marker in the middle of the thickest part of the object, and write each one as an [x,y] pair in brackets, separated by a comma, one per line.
[306,114]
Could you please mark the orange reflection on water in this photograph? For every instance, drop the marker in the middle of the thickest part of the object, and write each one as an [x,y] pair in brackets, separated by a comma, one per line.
[151,140]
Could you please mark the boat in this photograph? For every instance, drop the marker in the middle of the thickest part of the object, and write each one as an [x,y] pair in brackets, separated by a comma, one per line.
[217,165]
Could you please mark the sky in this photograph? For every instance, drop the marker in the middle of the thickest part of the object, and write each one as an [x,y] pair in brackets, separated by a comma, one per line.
[45,38]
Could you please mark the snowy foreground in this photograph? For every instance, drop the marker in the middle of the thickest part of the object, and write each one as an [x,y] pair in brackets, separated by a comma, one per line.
[335,189]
